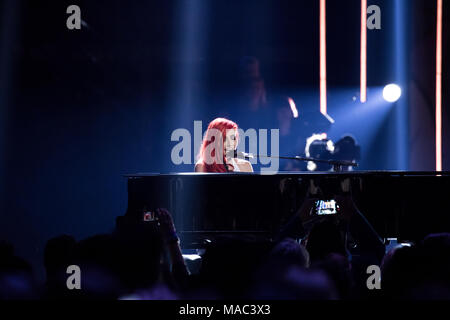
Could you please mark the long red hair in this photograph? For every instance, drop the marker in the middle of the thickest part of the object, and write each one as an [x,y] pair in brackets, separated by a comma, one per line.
[215,162]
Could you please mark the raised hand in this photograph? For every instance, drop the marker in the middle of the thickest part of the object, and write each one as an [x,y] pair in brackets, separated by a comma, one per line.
[166,225]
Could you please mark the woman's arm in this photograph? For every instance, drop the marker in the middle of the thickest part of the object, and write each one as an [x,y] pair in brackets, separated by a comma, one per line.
[200,167]
[245,166]
[179,269]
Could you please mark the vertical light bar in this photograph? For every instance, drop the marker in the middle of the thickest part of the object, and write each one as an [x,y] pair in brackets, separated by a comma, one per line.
[439,87]
[293,107]
[363,62]
[323,58]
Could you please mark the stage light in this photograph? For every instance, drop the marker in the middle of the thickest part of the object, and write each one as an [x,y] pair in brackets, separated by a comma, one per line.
[323,58]
[293,107]
[392,92]
[363,58]
[439,86]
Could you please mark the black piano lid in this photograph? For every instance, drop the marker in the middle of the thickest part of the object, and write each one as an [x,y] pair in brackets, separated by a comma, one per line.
[291,173]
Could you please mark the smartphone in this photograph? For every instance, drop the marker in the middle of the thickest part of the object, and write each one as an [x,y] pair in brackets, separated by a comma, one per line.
[149,216]
[326,207]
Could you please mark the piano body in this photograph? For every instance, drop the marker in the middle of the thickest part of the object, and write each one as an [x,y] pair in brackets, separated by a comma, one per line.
[403,205]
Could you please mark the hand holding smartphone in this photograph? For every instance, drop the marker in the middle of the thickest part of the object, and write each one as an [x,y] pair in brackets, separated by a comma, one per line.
[326,207]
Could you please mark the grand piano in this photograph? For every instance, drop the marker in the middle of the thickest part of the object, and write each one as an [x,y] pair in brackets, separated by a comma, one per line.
[396,204]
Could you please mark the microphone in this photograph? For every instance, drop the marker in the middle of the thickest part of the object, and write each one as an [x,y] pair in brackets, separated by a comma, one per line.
[243,155]
[239,154]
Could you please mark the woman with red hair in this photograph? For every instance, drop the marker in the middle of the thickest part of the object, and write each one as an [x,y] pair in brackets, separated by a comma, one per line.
[217,150]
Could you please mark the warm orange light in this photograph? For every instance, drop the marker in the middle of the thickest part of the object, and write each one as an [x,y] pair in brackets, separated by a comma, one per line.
[323,59]
[363,67]
[439,87]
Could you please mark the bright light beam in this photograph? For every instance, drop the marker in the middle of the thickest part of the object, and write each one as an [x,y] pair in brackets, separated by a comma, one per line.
[293,107]
[323,59]
[363,59]
[392,92]
[439,87]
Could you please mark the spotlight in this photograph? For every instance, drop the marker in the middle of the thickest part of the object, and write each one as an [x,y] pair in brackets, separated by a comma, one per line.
[293,107]
[392,92]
